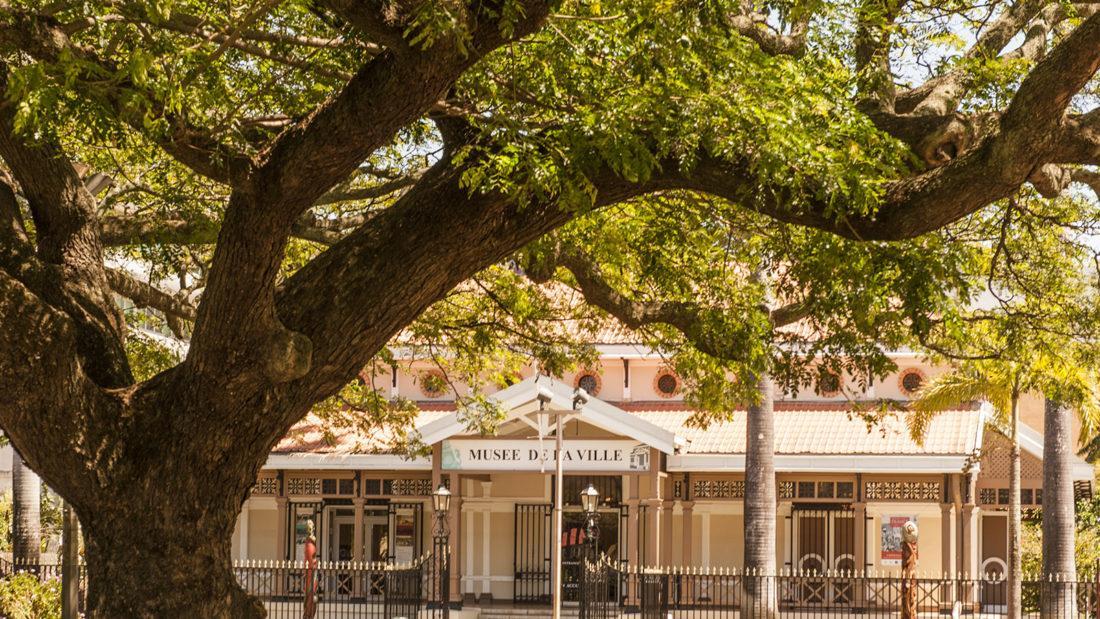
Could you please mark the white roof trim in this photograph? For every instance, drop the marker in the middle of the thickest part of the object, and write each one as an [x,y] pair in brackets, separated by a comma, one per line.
[356,462]
[522,399]
[1031,442]
[908,463]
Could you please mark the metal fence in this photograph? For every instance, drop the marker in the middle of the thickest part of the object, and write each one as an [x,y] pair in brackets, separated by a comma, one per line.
[343,590]
[726,593]
[340,590]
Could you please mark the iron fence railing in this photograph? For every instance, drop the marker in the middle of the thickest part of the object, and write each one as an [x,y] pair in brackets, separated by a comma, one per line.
[352,590]
[341,590]
[728,593]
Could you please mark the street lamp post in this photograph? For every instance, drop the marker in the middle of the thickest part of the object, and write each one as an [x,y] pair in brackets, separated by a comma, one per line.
[580,399]
[590,502]
[441,506]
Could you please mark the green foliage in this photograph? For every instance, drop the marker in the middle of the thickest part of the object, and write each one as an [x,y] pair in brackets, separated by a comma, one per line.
[1035,327]
[23,596]
[1087,542]
[6,519]
[148,357]
[642,88]
[657,86]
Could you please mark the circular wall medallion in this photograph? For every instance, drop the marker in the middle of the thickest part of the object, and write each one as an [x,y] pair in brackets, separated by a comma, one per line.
[666,383]
[588,380]
[910,381]
[432,383]
[828,383]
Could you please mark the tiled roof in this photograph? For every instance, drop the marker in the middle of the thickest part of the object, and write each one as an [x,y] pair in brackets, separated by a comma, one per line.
[813,428]
[824,432]
[309,436]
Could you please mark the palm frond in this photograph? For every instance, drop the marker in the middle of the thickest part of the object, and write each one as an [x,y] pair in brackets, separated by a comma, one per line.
[950,390]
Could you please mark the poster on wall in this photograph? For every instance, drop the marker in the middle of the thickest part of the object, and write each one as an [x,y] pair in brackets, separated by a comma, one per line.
[891,538]
[404,537]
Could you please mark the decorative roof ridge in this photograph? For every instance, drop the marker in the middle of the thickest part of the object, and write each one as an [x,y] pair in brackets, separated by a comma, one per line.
[680,405]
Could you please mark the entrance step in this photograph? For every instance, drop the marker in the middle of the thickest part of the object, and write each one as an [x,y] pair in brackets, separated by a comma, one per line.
[505,612]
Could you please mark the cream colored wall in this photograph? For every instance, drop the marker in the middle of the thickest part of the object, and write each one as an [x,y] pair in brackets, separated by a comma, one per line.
[520,485]
[611,379]
[488,539]
[263,533]
[235,543]
[501,552]
[1032,408]
[724,544]
[643,371]
[676,544]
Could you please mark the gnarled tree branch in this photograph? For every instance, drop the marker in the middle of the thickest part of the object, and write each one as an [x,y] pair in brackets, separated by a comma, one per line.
[692,319]
[44,39]
[70,276]
[144,294]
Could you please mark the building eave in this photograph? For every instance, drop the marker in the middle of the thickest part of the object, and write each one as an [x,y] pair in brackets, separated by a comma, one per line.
[827,463]
[346,462]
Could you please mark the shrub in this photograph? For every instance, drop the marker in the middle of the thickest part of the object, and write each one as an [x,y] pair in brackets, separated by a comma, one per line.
[1087,542]
[23,596]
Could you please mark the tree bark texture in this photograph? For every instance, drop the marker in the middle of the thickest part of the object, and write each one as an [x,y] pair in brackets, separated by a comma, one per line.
[164,553]
[1059,509]
[760,505]
[26,539]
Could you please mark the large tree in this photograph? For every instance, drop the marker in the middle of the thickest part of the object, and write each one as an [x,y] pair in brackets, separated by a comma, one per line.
[319,176]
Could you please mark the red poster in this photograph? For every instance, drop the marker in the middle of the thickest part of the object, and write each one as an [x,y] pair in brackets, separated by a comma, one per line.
[891,538]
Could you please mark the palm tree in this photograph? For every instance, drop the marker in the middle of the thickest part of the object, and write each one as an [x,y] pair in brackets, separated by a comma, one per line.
[1077,390]
[1000,385]
[760,503]
[1058,598]
[26,506]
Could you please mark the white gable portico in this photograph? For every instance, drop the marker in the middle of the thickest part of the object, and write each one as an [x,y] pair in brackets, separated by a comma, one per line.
[537,401]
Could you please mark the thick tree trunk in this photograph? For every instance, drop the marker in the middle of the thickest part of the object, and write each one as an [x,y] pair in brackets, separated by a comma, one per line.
[1059,564]
[26,538]
[156,561]
[760,506]
[1015,568]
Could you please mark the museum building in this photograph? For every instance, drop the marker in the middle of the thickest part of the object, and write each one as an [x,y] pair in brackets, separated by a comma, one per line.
[670,492]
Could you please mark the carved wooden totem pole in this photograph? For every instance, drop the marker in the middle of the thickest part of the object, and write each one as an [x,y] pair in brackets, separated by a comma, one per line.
[909,570]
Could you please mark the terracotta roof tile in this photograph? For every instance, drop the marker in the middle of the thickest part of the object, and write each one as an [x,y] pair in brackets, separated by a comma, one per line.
[828,432]
[309,436]
[800,428]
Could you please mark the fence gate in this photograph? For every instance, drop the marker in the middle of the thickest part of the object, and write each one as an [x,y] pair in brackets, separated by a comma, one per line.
[821,540]
[531,556]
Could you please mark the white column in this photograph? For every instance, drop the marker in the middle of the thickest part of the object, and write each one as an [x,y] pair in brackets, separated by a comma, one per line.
[242,521]
[468,551]
[486,564]
[704,540]
[558,479]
